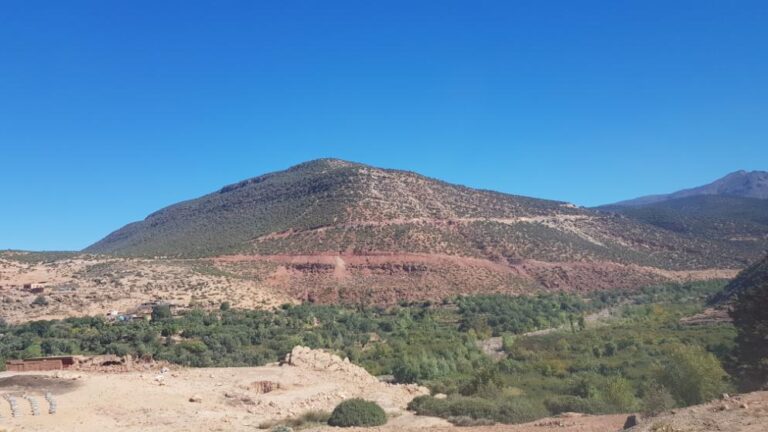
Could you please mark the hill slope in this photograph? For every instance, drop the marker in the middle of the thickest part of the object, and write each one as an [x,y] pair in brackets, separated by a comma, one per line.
[331,230]
[743,184]
[312,195]
[330,206]
[753,276]
[727,218]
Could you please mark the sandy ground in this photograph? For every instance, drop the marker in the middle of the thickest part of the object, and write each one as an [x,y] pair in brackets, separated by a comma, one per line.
[225,399]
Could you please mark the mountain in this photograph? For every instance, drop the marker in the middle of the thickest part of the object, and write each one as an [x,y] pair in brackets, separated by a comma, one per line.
[722,217]
[331,229]
[326,195]
[732,210]
[743,184]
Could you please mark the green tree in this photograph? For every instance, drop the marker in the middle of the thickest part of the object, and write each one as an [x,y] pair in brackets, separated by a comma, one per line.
[161,312]
[692,375]
[618,394]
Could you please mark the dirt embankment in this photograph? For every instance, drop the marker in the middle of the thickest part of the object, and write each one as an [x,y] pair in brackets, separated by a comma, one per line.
[388,278]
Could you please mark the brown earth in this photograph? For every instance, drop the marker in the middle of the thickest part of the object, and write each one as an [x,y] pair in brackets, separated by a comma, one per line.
[213,399]
[95,285]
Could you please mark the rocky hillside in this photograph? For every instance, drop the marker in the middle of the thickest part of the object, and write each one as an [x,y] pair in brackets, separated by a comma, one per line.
[320,194]
[330,206]
[741,222]
[745,184]
[331,230]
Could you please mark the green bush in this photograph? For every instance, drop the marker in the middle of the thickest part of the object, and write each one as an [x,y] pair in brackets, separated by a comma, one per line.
[40,301]
[357,412]
[505,410]
[618,395]
[455,406]
[519,410]
[692,375]
[161,312]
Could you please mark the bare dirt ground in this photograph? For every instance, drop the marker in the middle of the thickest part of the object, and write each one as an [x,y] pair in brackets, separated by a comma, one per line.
[215,399]
[578,423]
[90,285]
[740,413]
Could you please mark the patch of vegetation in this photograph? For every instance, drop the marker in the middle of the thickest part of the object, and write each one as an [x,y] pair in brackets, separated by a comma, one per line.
[38,257]
[40,301]
[357,412]
[613,366]
[498,314]
[307,419]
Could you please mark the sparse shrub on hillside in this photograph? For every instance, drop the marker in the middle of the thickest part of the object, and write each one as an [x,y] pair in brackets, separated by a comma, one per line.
[40,301]
[357,412]
[309,418]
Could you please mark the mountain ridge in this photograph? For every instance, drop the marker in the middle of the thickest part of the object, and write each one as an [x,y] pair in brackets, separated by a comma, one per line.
[328,206]
[741,183]
[330,230]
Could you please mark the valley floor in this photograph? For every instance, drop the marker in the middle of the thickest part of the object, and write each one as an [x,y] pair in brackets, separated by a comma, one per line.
[234,399]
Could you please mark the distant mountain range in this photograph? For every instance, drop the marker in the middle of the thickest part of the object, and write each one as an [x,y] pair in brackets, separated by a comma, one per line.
[732,209]
[330,225]
[741,184]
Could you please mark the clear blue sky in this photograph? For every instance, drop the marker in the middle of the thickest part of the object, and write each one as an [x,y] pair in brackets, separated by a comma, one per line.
[110,110]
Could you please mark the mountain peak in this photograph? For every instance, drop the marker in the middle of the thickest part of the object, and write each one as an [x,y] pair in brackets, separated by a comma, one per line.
[326,194]
[741,183]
